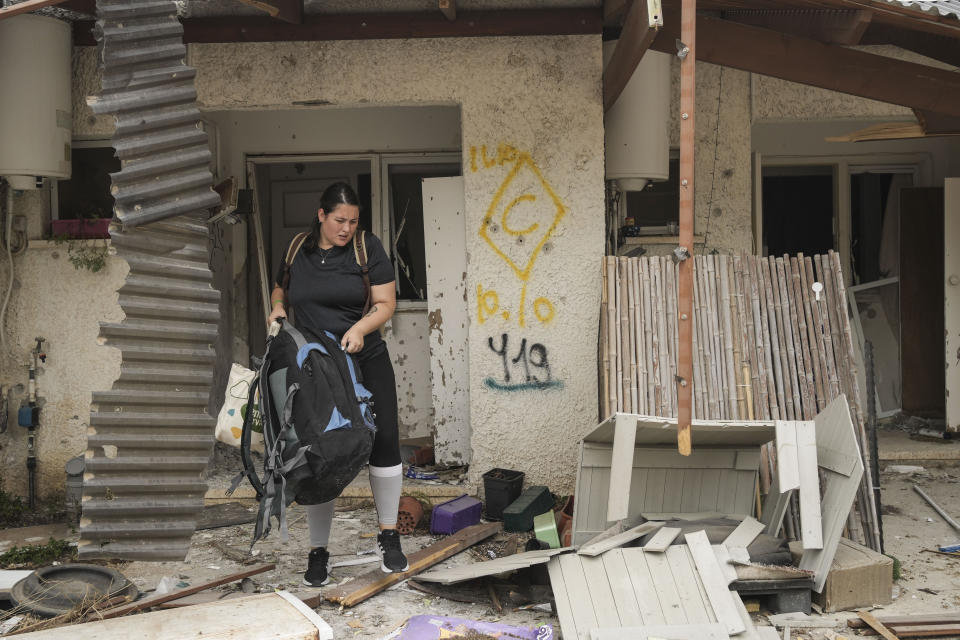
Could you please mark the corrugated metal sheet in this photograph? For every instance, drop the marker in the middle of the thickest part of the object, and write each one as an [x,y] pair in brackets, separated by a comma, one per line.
[151,436]
[159,139]
[937,7]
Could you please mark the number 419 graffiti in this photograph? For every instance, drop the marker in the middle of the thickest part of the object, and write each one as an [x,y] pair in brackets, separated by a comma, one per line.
[533,362]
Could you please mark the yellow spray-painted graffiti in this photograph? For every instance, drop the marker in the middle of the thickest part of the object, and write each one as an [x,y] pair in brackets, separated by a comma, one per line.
[526,210]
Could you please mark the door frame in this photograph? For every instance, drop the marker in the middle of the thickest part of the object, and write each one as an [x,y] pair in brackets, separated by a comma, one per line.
[386,222]
[844,166]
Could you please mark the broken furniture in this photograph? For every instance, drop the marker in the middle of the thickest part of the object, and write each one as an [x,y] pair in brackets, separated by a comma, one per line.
[622,593]
[629,466]
[772,340]
[278,615]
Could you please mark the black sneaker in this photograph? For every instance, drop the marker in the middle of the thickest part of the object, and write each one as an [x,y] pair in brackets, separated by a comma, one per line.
[318,568]
[392,559]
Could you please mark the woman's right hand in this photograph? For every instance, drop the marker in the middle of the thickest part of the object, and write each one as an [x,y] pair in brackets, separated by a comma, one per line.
[277,313]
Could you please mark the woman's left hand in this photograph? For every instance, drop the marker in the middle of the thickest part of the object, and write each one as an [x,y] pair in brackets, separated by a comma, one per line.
[352,341]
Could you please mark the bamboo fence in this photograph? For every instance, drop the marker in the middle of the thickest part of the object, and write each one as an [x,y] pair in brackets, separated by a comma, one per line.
[765,347]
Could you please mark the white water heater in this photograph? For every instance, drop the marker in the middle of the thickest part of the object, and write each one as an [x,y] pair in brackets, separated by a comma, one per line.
[35,105]
[636,136]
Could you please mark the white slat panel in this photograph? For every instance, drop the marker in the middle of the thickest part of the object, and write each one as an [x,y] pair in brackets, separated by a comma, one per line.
[695,608]
[673,632]
[648,601]
[788,473]
[744,534]
[581,604]
[662,539]
[621,467]
[714,581]
[624,597]
[562,599]
[666,588]
[811,524]
[834,432]
[724,561]
[596,548]
[604,605]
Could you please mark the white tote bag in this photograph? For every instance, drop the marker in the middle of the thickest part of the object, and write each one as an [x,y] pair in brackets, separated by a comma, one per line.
[234,409]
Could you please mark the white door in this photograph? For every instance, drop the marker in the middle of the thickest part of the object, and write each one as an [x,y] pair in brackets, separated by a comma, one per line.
[951,263]
[444,231]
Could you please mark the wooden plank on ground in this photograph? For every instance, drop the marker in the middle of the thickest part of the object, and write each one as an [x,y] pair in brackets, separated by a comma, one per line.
[452,575]
[917,619]
[787,471]
[811,521]
[876,625]
[375,581]
[596,548]
[714,581]
[662,539]
[146,603]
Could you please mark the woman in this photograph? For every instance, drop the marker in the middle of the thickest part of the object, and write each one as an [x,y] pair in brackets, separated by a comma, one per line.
[326,292]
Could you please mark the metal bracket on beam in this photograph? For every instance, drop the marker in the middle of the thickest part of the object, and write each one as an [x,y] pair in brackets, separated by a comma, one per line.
[682,50]
[654,14]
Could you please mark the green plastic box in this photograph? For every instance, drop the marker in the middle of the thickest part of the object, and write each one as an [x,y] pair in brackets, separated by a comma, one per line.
[519,515]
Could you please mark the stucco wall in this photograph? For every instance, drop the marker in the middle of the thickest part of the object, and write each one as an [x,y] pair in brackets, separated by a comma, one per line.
[531,126]
[53,299]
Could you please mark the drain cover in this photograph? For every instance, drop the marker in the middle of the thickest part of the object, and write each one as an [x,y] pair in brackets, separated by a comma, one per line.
[50,591]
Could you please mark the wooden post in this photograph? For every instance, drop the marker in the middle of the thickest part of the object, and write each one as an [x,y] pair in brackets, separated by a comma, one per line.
[688,25]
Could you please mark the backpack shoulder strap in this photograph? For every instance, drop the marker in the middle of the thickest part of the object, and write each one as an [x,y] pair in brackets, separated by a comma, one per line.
[292,252]
[360,254]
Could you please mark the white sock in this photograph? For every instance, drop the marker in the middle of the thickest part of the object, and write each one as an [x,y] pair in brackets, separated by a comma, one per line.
[386,484]
[319,518]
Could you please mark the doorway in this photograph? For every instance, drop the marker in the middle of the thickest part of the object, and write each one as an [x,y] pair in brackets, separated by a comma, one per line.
[287,190]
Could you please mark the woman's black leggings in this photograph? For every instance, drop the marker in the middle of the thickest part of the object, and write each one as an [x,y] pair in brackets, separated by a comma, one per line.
[378,378]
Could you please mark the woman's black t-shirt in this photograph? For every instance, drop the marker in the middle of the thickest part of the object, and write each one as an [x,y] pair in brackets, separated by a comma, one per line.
[326,289]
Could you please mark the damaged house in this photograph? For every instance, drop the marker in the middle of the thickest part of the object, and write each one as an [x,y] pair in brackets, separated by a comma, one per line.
[475,133]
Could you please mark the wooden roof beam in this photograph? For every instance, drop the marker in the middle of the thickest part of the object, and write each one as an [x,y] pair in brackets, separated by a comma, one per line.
[833,26]
[372,26]
[821,65]
[639,29]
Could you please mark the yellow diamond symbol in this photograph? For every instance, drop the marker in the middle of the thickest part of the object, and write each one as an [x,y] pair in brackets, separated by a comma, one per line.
[524,212]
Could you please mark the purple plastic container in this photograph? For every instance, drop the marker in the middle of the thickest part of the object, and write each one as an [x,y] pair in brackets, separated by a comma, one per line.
[453,515]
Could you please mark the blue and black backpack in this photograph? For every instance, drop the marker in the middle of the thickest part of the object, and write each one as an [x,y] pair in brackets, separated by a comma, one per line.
[318,424]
